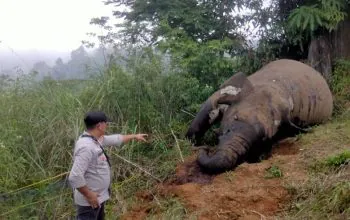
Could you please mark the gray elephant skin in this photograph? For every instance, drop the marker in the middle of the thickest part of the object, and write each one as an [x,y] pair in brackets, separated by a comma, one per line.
[255,110]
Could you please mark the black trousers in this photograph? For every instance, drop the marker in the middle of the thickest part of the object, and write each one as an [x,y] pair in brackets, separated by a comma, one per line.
[88,213]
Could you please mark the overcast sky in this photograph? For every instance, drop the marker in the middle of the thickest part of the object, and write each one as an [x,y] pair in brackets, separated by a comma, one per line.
[58,25]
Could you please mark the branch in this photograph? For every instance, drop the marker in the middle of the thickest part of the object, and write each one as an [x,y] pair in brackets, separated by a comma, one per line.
[137,166]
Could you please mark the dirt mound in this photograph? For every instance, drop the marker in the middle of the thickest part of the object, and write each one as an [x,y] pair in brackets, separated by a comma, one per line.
[233,195]
[189,172]
[245,193]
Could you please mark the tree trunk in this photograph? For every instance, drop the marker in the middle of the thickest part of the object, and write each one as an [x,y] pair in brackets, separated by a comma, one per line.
[319,57]
[325,50]
[340,41]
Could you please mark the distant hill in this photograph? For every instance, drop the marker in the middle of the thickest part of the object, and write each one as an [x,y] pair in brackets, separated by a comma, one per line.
[45,62]
[77,64]
[15,60]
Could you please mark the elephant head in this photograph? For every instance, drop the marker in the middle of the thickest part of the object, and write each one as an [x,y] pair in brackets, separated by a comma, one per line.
[229,93]
[245,127]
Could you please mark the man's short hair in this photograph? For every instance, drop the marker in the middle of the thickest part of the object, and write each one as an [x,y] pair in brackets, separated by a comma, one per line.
[92,118]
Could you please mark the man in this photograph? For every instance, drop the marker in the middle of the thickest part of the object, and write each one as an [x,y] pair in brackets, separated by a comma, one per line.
[90,173]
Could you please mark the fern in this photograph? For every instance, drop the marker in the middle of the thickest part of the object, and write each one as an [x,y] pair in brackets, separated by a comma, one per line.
[333,12]
[322,14]
[336,4]
[305,18]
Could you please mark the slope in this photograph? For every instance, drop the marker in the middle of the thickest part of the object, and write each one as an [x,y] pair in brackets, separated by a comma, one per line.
[286,185]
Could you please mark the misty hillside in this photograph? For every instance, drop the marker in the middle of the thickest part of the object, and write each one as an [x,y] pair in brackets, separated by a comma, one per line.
[59,65]
[78,64]
[11,59]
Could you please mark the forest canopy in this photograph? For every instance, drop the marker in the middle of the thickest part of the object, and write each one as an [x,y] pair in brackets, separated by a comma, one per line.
[211,39]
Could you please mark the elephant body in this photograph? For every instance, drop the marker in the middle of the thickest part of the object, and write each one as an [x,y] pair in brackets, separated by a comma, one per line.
[252,110]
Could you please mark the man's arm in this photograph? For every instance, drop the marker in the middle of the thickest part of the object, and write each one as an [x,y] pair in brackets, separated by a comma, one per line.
[76,178]
[90,196]
[138,137]
[120,139]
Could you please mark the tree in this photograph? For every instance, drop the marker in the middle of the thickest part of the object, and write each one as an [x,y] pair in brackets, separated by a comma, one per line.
[79,63]
[42,69]
[207,39]
[308,30]
[202,36]
[59,70]
[325,26]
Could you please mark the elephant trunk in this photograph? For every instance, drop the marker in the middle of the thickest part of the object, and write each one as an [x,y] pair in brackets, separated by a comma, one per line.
[225,157]
[233,147]
[200,124]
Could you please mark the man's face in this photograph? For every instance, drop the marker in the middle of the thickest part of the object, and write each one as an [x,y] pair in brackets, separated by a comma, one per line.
[102,126]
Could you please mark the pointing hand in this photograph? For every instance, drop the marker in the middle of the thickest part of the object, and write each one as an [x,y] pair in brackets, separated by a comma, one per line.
[141,137]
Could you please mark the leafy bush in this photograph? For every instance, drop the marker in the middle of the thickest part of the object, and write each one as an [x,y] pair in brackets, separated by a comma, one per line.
[340,85]
[338,160]
[333,162]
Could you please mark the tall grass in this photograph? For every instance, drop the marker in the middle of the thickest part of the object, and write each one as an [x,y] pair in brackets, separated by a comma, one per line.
[41,120]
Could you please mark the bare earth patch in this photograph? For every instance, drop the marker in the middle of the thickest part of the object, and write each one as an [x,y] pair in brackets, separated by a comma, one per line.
[244,193]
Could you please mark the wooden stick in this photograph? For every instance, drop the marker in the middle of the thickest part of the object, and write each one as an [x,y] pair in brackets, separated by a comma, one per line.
[137,166]
[189,113]
[177,145]
[262,217]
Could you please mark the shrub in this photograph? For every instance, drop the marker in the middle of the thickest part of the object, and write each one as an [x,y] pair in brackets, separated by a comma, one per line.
[340,85]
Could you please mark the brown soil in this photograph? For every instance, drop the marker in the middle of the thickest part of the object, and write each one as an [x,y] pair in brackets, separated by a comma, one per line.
[244,193]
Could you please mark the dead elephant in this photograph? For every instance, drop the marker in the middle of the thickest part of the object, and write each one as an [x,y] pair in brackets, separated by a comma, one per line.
[254,110]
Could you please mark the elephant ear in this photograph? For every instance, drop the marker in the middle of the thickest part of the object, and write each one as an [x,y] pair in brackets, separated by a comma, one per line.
[234,89]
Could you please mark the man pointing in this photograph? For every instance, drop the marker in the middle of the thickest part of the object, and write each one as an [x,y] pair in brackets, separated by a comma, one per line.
[90,174]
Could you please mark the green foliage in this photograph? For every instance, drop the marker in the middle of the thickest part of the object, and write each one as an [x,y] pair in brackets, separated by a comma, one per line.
[273,172]
[306,17]
[338,160]
[286,28]
[303,21]
[12,168]
[164,95]
[341,79]
[200,20]
[41,121]
[202,60]
[332,162]
[340,85]
[202,37]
